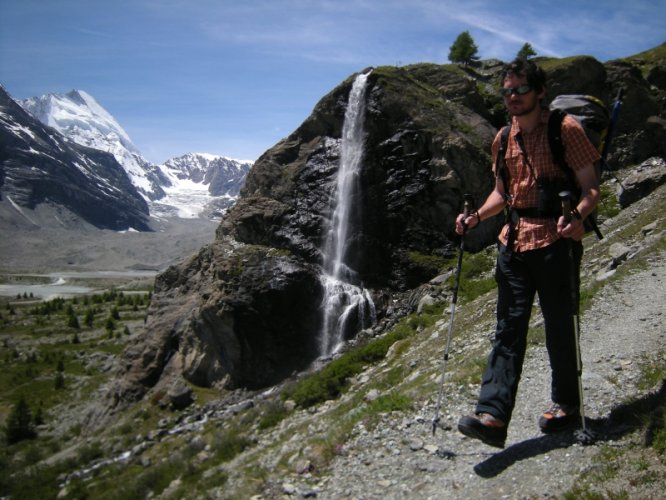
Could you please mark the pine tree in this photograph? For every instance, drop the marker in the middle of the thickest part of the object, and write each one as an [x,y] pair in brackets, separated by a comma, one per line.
[73,322]
[463,50]
[20,425]
[526,51]
[59,381]
[89,318]
[39,416]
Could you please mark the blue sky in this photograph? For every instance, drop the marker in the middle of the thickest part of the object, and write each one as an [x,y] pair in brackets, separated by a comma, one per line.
[233,77]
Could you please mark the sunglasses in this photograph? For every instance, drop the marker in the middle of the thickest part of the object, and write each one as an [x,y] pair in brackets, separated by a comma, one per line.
[522,90]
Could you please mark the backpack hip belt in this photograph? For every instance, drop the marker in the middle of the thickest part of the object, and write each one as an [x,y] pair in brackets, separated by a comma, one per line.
[514,214]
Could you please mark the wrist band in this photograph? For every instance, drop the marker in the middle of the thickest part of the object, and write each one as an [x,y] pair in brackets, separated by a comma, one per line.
[576,214]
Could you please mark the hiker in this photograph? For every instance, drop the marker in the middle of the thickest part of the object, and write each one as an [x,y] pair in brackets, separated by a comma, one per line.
[533,255]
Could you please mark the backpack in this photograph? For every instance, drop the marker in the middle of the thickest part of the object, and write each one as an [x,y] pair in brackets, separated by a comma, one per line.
[595,118]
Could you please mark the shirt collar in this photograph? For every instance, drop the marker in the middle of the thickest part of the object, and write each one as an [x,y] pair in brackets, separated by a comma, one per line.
[543,121]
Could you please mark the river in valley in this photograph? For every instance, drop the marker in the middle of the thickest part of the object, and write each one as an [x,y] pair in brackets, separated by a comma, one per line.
[70,283]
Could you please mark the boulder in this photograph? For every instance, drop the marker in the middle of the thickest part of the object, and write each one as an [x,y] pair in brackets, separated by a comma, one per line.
[642,180]
[180,395]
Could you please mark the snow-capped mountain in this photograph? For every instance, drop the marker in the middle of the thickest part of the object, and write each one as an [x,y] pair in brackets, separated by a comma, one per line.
[39,166]
[200,184]
[79,117]
[188,186]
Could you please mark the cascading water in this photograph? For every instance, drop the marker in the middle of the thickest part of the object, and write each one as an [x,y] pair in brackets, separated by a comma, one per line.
[347,307]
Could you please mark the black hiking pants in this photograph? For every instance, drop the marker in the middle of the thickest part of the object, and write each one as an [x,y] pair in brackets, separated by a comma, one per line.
[520,276]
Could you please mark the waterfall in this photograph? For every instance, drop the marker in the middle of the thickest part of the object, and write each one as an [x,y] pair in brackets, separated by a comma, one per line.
[347,307]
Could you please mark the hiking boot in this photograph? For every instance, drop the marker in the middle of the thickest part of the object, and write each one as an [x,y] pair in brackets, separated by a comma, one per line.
[485,427]
[558,418]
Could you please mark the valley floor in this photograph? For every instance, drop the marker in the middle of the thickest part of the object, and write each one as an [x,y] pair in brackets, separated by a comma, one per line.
[49,239]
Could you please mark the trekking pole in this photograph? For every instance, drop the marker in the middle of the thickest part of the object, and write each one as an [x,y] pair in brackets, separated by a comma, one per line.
[583,435]
[615,114]
[468,207]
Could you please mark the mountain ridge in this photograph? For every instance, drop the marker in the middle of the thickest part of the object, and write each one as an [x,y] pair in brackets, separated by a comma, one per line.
[78,116]
[40,165]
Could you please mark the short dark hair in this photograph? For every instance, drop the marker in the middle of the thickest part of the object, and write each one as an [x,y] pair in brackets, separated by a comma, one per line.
[536,77]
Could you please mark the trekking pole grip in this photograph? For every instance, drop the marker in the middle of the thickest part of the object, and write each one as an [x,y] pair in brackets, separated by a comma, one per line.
[468,204]
[468,207]
[565,198]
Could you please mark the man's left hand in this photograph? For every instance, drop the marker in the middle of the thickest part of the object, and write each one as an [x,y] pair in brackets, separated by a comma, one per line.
[574,229]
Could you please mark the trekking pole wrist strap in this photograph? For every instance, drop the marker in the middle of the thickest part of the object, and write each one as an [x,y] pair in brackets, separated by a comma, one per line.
[576,214]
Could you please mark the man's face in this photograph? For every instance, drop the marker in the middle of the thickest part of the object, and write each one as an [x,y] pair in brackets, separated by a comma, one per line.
[517,104]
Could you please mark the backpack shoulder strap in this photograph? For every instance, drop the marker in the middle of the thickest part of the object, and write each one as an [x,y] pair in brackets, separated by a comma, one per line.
[555,138]
[556,143]
[500,161]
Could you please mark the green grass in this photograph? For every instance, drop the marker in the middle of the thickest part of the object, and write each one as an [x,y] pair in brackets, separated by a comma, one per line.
[470,370]
[38,346]
[608,205]
[476,274]
[333,379]
[582,492]
[652,373]
[433,263]
[229,442]
[386,403]
[647,60]
[273,413]
[659,436]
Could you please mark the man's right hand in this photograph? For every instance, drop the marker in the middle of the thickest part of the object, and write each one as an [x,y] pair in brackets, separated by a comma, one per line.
[463,223]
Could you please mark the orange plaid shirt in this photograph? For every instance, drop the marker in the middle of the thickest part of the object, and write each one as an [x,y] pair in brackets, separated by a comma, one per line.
[533,233]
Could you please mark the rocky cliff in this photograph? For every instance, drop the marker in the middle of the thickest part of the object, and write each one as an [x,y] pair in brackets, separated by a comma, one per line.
[244,311]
